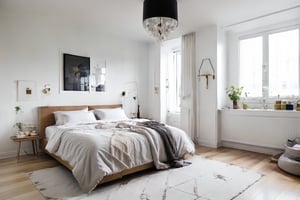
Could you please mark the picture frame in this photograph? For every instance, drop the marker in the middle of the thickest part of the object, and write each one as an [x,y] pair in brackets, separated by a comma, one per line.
[26,90]
[98,77]
[76,72]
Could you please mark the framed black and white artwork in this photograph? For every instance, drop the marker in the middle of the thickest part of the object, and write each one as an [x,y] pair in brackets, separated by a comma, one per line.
[76,73]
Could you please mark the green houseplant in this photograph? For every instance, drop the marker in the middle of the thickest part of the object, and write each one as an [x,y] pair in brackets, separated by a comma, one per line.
[18,125]
[18,109]
[234,94]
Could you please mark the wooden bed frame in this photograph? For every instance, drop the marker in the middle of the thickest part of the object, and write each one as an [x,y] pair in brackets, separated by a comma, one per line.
[46,118]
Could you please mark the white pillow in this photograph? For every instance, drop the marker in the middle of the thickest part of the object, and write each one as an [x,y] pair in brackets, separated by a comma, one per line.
[59,115]
[115,114]
[79,117]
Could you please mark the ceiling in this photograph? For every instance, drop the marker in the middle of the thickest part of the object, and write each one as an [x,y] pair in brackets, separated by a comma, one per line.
[123,18]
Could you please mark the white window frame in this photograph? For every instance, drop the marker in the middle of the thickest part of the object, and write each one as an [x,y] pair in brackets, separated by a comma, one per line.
[265,95]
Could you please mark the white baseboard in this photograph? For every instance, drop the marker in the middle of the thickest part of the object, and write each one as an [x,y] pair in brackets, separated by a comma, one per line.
[207,144]
[235,145]
[8,154]
[250,147]
[11,154]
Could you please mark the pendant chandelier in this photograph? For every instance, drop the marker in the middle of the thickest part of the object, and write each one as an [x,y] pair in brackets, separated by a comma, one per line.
[160,17]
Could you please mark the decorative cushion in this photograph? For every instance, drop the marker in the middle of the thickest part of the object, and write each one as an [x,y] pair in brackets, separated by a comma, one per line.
[77,117]
[114,114]
[59,115]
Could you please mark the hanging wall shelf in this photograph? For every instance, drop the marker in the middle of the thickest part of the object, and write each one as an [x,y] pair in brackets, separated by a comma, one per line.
[207,75]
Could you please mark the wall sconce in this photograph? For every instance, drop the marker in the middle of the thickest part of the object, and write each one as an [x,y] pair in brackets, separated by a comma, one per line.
[212,74]
[47,89]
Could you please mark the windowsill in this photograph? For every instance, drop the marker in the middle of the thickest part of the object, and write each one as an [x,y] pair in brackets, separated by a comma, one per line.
[261,112]
[173,113]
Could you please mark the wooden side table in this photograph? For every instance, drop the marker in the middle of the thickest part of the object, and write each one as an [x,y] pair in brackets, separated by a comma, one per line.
[32,138]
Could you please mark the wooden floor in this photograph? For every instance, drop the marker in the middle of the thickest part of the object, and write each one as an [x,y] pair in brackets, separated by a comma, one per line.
[275,185]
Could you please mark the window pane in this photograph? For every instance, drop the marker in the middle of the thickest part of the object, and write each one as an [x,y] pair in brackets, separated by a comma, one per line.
[283,63]
[174,81]
[251,53]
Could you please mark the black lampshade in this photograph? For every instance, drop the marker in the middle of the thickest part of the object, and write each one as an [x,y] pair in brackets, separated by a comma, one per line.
[160,17]
[160,8]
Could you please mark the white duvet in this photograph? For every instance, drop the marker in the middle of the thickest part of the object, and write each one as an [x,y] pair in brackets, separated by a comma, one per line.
[93,149]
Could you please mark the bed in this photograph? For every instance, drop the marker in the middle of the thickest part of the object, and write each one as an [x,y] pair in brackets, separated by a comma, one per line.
[71,138]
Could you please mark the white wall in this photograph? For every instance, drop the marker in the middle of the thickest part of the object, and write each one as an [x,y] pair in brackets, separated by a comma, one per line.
[206,47]
[222,68]
[30,49]
[154,82]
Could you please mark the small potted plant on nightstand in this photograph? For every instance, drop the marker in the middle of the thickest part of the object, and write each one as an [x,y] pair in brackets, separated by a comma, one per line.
[234,94]
[18,125]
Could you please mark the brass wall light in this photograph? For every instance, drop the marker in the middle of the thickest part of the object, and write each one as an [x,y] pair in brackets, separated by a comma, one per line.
[207,75]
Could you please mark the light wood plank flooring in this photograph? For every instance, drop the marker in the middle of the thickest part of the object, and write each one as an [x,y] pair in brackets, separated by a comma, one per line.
[275,185]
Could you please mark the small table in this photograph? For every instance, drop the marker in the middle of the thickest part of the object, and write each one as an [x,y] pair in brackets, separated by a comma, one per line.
[32,138]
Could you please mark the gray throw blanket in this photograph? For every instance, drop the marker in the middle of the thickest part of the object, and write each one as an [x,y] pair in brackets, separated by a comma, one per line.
[169,142]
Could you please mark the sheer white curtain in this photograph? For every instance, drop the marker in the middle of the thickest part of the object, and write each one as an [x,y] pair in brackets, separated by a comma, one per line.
[188,84]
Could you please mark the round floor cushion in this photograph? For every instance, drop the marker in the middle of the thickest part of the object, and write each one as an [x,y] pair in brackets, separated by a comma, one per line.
[289,165]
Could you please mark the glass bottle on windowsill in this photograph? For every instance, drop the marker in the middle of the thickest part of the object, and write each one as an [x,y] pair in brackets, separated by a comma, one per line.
[265,104]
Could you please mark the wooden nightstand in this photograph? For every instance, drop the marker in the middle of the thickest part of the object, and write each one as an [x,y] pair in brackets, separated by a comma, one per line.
[33,138]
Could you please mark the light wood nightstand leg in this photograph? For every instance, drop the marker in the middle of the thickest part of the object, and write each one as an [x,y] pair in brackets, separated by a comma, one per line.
[19,150]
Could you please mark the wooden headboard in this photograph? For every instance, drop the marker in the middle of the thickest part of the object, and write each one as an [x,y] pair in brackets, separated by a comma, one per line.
[46,116]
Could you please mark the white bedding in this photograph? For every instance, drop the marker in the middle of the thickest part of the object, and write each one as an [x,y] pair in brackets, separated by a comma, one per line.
[87,148]
[50,130]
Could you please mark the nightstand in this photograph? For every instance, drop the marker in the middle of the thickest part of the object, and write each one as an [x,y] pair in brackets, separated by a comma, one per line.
[33,138]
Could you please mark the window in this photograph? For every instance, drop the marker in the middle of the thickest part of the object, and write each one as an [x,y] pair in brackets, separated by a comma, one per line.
[284,63]
[174,81]
[269,64]
[251,65]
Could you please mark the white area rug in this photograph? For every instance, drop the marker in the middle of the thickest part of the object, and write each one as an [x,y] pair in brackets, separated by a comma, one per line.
[203,180]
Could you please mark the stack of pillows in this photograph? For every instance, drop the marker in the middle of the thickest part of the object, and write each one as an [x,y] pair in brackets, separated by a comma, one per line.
[86,116]
[289,161]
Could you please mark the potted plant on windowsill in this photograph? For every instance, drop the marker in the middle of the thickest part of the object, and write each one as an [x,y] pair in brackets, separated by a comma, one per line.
[234,94]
